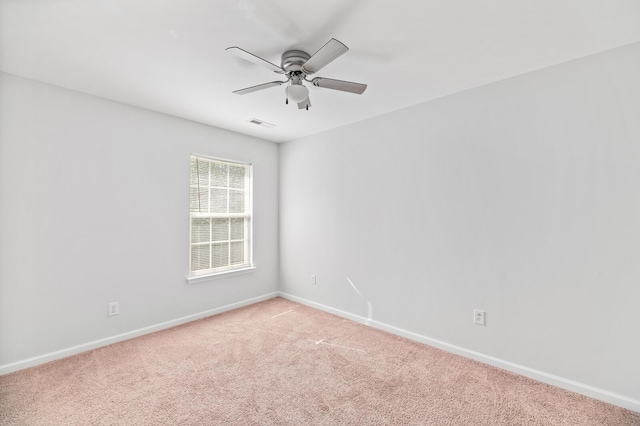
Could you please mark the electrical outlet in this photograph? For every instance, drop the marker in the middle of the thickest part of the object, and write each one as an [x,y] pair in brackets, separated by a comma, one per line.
[479,317]
[114,309]
[313,280]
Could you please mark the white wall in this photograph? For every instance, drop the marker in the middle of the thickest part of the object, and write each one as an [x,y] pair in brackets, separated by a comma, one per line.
[521,198]
[94,209]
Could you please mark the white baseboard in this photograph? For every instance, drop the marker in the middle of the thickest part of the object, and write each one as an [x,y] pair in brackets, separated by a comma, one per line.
[63,353]
[561,382]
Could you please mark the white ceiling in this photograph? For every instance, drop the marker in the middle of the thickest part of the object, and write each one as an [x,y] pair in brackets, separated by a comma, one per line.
[169,55]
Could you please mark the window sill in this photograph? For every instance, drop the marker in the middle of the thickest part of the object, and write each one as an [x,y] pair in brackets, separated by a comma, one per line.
[218,275]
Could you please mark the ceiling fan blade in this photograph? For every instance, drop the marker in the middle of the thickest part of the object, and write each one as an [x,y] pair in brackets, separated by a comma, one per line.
[324,56]
[248,56]
[304,104]
[258,87]
[344,86]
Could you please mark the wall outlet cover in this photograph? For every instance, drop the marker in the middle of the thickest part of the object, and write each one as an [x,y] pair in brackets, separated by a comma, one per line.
[114,309]
[479,317]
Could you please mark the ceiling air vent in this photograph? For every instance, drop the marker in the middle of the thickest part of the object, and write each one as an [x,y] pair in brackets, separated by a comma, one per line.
[261,123]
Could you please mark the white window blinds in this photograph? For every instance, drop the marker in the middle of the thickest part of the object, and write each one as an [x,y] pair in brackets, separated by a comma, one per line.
[220,206]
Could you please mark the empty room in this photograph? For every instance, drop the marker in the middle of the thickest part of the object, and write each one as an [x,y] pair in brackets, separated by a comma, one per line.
[278,212]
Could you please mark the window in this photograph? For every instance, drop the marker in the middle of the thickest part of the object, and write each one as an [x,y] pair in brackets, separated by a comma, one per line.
[221,212]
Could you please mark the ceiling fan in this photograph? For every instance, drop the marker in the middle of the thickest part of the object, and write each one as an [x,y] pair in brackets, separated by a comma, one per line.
[296,65]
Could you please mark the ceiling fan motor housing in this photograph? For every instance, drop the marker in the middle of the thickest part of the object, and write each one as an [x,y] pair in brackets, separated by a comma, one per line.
[293,60]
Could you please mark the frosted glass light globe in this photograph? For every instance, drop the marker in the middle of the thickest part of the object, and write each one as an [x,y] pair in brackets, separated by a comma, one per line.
[297,93]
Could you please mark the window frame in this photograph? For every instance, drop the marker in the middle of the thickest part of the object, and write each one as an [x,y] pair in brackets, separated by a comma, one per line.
[247,265]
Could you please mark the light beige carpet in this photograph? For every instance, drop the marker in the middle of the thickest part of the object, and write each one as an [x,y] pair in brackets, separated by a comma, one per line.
[281,363]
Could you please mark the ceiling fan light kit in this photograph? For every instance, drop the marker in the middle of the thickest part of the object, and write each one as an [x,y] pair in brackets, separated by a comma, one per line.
[296,65]
[297,92]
